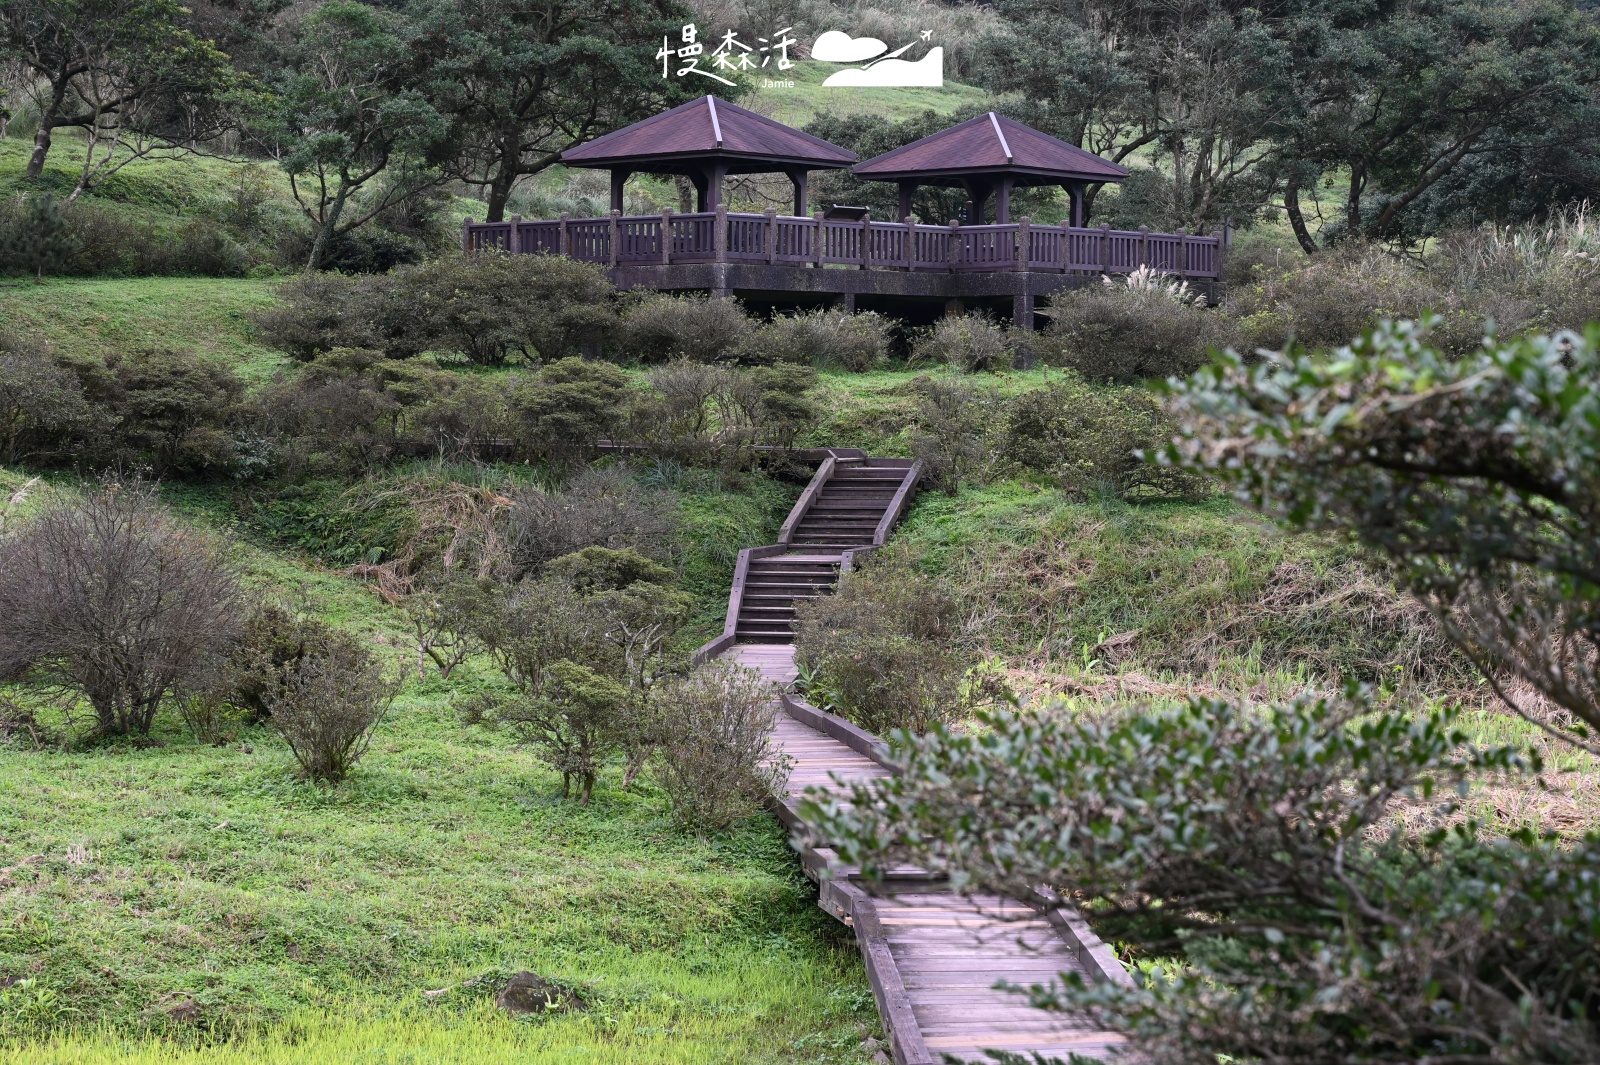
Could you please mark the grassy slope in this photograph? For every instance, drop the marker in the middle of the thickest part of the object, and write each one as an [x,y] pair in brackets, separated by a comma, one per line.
[135,878]
[103,316]
[807,99]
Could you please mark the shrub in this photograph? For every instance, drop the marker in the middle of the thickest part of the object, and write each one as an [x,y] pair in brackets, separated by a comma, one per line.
[42,406]
[317,313]
[560,413]
[114,600]
[855,342]
[717,761]
[597,508]
[35,238]
[327,703]
[969,343]
[879,650]
[659,328]
[576,721]
[719,413]
[950,438]
[1090,438]
[271,644]
[175,407]
[1124,332]
[489,307]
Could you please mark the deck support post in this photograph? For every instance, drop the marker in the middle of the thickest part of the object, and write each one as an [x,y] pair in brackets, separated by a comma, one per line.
[565,243]
[1144,247]
[866,239]
[911,242]
[846,302]
[466,236]
[719,234]
[1024,253]
[666,236]
[954,251]
[513,236]
[819,242]
[772,235]
[616,234]
[1105,248]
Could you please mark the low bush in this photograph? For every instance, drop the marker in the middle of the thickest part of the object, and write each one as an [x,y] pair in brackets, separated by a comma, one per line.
[113,600]
[880,651]
[43,409]
[659,328]
[951,435]
[174,410]
[1091,439]
[484,308]
[326,704]
[717,762]
[969,343]
[271,644]
[855,342]
[1147,326]
[558,414]
[717,414]
[596,508]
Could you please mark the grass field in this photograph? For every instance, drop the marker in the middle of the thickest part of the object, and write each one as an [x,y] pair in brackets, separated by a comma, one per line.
[195,892]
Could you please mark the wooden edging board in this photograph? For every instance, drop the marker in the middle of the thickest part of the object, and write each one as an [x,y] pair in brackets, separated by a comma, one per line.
[897,504]
[807,497]
[852,736]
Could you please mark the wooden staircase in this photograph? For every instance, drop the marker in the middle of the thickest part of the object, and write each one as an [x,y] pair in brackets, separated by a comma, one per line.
[849,508]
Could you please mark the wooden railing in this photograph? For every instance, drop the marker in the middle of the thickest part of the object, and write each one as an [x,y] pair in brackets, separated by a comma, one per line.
[722,236]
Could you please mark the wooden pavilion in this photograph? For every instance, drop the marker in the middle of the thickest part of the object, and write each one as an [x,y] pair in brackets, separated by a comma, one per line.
[707,140]
[990,156]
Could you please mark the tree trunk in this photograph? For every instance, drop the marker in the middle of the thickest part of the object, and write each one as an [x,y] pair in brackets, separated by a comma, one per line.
[41,148]
[325,232]
[1352,203]
[500,192]
[1297,221]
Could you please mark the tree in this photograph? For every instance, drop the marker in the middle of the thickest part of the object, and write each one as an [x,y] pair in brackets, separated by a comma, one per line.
[1476,477]
[41,404]
[113,599]
[524,80]
[327,703]
[345,112]
[1403,96]
[38,239]
[110,66]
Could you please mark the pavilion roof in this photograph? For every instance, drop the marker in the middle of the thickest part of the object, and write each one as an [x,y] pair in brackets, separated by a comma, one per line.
[709,129]
[990,144]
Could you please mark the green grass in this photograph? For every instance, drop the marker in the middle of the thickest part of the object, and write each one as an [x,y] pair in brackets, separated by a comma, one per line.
[114,316]
[306,922]
[808,98]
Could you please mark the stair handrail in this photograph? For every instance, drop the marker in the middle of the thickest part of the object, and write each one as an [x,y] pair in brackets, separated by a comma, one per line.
[902,496]
[730,625]
[807,497]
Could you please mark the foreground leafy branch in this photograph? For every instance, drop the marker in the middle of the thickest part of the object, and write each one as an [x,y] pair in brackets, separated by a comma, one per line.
[1476,477]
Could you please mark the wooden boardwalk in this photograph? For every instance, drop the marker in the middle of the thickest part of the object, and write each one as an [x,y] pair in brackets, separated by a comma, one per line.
[934,957]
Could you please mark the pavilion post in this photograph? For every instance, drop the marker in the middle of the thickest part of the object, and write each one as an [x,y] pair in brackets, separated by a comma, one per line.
[801,197]
[906,190]
[1002,203]
[514,237]
[1076,217]
[666,237]
[618,179]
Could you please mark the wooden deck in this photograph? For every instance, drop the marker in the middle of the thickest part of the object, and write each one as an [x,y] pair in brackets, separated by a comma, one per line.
[934,957]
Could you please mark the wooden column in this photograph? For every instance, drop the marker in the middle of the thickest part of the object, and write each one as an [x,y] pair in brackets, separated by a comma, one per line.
[801,197]
[1075,216]
[1002,203]
[666,236]
[513,237]
[906,189]
[618,179]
